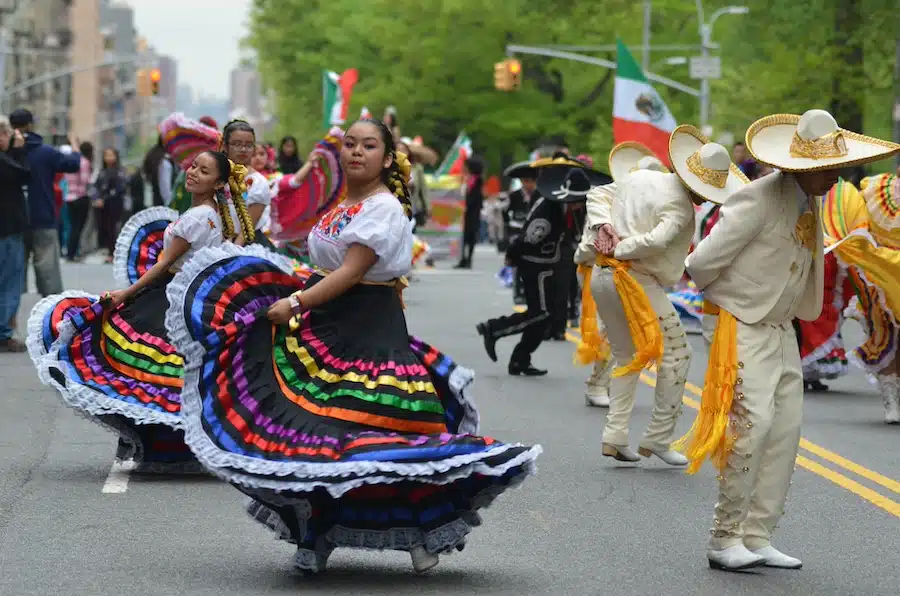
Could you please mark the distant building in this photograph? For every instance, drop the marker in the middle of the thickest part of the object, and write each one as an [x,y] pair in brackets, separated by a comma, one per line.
[36,37]
[246,96]
[168,84]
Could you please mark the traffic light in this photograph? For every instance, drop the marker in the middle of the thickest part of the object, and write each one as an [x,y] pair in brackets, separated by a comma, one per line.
[514,68]
[501,77]
[508,75]
[155,77]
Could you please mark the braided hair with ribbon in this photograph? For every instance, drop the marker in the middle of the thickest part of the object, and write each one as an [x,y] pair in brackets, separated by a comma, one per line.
[237,184]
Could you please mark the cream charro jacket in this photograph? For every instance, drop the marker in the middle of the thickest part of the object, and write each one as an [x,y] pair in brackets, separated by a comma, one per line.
[653,215]
[744,264]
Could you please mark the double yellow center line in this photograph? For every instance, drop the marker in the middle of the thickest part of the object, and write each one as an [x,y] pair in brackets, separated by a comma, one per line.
[873,496]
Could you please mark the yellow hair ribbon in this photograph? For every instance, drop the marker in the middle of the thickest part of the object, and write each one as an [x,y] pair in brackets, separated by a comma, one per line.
[593,345]
[403,166]
[643,323]
[708,436]
[237,181]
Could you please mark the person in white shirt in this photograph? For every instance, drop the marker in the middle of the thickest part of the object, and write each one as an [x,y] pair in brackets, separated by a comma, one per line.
[624,158]
[761,266]
[642,240]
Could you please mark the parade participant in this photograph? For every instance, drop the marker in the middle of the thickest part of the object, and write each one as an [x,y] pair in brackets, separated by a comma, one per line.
[853,221]
[473,193]
[110,358]
[303,198]
[346,431]
[623,159]
[822,353]
[518,205]
[642,240]
[761,266]
[183,139]
[239,144]
[536,253]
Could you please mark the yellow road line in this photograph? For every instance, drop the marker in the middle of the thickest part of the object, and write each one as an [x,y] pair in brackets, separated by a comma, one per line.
[837,478]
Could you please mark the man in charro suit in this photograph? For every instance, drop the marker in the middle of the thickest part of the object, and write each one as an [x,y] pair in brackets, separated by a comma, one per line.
[759,267]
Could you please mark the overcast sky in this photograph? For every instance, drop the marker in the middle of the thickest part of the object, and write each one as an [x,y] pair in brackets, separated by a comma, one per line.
[202,35]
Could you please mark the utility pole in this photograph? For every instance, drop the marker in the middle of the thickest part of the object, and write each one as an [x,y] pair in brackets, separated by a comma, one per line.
[645,65]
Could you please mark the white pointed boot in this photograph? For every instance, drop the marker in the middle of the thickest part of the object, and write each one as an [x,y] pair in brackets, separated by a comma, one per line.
[776,558]
[890,393]
[423,560]
[597,394]
[734,558]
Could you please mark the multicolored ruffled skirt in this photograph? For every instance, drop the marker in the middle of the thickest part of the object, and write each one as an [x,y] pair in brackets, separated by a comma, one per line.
[822,350]
[117,367]
[344,430]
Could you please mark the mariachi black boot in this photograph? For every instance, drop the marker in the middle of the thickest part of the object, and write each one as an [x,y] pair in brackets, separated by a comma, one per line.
[524,368]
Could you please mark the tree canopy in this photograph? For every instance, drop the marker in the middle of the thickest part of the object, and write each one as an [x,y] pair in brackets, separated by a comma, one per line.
[434,61]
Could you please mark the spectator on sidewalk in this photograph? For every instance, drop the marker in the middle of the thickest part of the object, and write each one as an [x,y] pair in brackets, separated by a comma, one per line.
[109,199]
[78,199]
[14,176]
[42,237]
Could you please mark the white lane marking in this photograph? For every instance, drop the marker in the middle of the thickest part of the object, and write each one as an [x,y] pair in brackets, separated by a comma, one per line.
[117,480]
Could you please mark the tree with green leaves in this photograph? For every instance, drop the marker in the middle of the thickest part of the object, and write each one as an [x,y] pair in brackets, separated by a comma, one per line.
[434,62]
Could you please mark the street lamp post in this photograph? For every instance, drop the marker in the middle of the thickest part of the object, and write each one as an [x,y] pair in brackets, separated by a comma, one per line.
[706,46]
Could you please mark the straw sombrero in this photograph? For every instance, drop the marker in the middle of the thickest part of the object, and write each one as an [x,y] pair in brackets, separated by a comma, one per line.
[630,156]
[705,168]
[812,142]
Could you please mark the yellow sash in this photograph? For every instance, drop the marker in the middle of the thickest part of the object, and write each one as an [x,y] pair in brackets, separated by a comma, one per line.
[643,323]
[708,436]
[593,345]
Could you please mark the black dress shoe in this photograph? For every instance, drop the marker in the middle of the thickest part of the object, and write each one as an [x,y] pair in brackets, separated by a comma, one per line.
[526,370]
[816,386]
[490,343]
[463,265]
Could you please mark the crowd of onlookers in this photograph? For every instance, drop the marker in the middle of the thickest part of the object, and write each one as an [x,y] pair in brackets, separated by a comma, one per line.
[68,201]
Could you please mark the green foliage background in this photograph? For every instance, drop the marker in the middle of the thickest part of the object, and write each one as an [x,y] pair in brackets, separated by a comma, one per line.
[434,61]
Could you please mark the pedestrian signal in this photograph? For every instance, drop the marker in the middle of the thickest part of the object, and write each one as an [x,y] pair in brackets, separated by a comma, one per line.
[508,75]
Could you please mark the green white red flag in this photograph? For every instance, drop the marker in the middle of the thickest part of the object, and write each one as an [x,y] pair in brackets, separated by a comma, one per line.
[456,157]
[336,92]
[639,113]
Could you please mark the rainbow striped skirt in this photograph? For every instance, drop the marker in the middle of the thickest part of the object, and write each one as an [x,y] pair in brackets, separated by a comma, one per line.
[343,429]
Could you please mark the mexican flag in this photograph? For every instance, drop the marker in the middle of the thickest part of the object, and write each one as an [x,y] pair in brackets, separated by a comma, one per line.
[639,114]
[458,154]
[336,91]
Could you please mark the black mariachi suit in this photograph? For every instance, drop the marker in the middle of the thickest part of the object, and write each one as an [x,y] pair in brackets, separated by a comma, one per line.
[514,219]
[536,252]
[567,290]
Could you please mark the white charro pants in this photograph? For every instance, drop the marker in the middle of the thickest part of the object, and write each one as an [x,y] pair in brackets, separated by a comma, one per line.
[765,419]
[673,367]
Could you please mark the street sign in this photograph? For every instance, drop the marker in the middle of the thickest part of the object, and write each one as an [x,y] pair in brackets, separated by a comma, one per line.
[709,67]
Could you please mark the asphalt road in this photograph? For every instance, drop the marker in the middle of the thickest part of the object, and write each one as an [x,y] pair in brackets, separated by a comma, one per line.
[583,526]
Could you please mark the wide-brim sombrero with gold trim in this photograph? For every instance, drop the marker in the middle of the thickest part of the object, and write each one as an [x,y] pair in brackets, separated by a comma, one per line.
[705,168]
[521,170]
[812,142]
[631,156]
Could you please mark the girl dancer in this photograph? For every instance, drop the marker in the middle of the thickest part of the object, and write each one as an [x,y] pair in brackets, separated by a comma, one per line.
[110,358]
[239,144]
[343,429]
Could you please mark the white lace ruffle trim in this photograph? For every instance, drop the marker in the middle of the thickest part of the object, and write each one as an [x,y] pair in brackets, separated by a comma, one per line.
[126,237]
[302,476]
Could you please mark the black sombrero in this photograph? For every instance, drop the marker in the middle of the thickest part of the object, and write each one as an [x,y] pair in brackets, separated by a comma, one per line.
[566,180]
[522,169]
